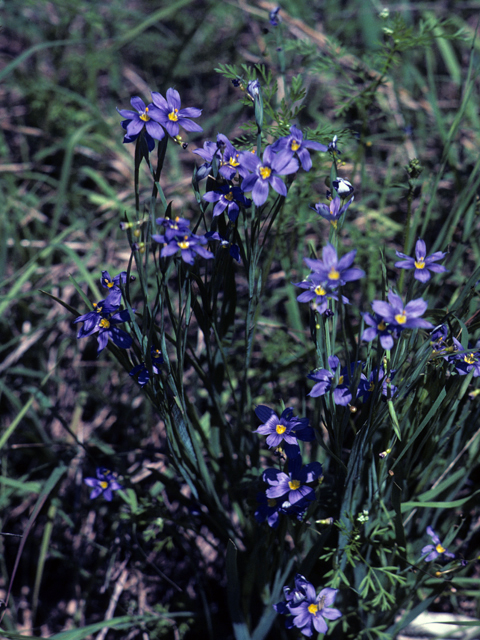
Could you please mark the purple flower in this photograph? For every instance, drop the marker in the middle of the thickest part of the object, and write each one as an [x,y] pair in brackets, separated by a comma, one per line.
[268,509]
[334,211]
[438,338]
[318,293]
[292,486]
[227,197]
[332,270]
[465,361]
[233,249]
[174,227]
[228,159]
[137,120]
[294,143]
[266,173]
[422,263]
[104,323]
[436,549]
[253,89]
[141,369]
[273,17]
[314,610]
[309,611]
[170,116]
[379,328]
[400,317]
[190,245]
[105,483]
[113,285]
[286,429]
[326,381]
[367,387]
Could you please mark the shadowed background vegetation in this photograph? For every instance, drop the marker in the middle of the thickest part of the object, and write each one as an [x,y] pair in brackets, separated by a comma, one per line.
[66,181]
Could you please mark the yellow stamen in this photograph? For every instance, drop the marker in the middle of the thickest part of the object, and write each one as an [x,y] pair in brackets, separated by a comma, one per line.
[108,283]
[382,326]
[103,484]
[420,263]
[469,358]
[173,115]
[440,549]
[184,244]
[145,117]
[340,380]
[294,484]
[280,428]
[294,146]
[233,162]
[229,196]
[104,323]
[313,608]
[320,291]
[334,274]
[265,172]
[401,318]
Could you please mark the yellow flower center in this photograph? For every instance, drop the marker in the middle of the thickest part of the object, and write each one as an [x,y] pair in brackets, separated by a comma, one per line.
[440,549]
[382,326]
[294,484]
[334,274]
[420,263]
[184,244]
[320,291]
[233,162]
[145,117]
[265,172]
[103,484]
[280,428]
[104,323]
[108,283]
[229,196]
[173,115]
[401,318]
[340,380]
[469,358]
[294,146]
[313,608]
[157,354]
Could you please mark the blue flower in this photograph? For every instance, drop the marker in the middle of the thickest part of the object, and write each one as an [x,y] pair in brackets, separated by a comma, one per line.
[333,212]
[465,362]
[286,429]
[332,270]
[233,249]
[104,323]
[273,17]
[436,549]
[422,263]
[141,369]
[294,143]
[292,486]
[189,245]
[438,338]
[266,173]
[113,285]
[138,120]
[326,381]
[402,317]
[318,293]
[309,610]
[167,112]
[229,160]
[105,483]
[227,197]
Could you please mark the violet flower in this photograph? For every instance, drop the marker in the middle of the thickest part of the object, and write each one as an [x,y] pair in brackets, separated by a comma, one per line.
[284,430]
[105,483]
[294,143]
[104,323]
[332,270]
[292,486]
[137,120]
[229,198]
[422,263]
[400,317]
[167,112]
[326,381]
[333,212]
[266,173]
[436,549]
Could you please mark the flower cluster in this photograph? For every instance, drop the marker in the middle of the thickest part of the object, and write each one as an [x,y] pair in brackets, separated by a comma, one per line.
[466,360]
[160,116]
[141,370]
[178,236]
[105,317]
[288,492]
[105,483]
[328,380]
[305,609]
[326,276]
[392,317]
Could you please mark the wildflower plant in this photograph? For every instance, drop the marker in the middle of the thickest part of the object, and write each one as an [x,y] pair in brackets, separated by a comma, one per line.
[341,496]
